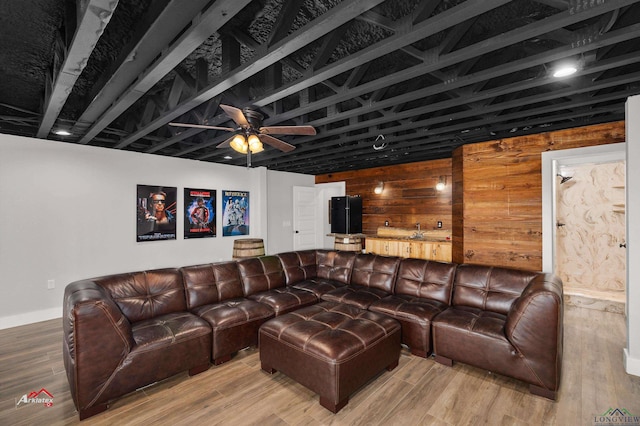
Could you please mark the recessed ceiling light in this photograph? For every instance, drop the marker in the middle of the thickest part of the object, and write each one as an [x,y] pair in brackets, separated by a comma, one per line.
[565,71]
[62,132]
[228,157]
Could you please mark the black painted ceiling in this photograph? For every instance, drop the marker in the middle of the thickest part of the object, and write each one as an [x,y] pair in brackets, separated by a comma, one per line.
[383,81]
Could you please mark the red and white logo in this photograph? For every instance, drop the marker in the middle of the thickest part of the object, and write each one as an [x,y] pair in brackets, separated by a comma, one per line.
[41,397]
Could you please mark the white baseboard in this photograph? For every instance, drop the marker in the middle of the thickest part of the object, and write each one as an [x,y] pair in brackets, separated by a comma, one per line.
[30,317]
[631,365]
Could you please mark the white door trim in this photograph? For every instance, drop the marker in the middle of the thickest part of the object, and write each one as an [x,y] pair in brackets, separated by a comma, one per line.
[551,163]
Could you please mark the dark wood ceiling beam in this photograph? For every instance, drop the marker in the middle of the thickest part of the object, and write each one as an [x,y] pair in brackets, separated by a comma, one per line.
[161,23]
[416,53]
[447,133]
[287,15]
[424,10]
[202,73]
[587,87]
[205,24]
[314,30]
[356,75]
[329,44]
[378,20]
[455,35]
[442,21]
[445,20]
[504,40]
[611,38]
[92,19]
[557,4]
[177,88]
[231,51]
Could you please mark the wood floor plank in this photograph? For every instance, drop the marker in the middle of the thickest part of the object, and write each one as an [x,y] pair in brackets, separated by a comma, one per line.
[418,391]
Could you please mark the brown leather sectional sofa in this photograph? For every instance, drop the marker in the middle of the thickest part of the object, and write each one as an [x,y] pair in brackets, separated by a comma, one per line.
[125,331]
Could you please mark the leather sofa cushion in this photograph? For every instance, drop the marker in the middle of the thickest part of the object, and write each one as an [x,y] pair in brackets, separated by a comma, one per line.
[373,271]
[355,295]
[147,294]
[318,286]
[233,312]
[299,265]
[415,314]
[211,283]
[426,280]
[414,309]
[489,288]
[260,274]
[156,333]
[335,265]
[285,299]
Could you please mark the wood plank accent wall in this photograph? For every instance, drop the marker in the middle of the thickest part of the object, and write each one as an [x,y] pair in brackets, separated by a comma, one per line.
[493,199]
[409,195]
[497,202]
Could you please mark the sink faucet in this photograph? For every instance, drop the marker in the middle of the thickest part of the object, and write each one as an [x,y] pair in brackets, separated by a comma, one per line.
[418,233]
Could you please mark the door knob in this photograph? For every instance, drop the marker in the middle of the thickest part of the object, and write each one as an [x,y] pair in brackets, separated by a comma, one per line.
[297,232]
[623,245]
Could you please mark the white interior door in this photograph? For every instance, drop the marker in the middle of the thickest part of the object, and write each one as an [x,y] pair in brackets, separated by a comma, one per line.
[304,218]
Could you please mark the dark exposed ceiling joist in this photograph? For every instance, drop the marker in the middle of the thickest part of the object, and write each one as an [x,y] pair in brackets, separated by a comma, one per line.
[162,23]
[93,17]
[427,76]
[309,33]
[409,35]
[207,23]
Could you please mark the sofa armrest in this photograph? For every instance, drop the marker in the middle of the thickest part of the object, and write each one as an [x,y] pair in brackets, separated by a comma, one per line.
[534,326]
[97,338]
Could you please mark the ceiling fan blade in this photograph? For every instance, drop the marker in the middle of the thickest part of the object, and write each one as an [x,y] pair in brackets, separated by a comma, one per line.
[236,115]
[226,144]
[276,143]
[288,130]
[202,126]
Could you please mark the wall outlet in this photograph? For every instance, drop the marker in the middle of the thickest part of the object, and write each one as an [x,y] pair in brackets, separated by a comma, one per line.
[439,224]
[51,284]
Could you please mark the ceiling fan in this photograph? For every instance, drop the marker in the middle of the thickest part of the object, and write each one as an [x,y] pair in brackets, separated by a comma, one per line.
[249,135]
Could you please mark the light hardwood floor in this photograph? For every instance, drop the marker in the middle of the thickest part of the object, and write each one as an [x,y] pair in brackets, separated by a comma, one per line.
[419,391]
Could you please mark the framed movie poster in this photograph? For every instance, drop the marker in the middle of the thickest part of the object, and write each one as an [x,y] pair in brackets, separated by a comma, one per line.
[156,213]
[199,213]
[235,213]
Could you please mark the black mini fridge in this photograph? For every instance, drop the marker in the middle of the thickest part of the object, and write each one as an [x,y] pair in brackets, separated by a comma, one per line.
[346,215]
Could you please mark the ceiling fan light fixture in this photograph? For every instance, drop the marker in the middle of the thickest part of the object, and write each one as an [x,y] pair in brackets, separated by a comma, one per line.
[255,145]
[239,144]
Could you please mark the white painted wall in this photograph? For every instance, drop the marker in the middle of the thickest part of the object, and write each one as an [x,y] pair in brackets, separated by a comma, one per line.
[67,212]
[632,351]
[280,208]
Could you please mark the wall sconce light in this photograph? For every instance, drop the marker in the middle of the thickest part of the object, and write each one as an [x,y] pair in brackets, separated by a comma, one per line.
[379,188]
[243,144]
[442,183]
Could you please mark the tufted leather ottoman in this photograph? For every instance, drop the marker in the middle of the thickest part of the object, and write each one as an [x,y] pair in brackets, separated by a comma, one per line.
[331,348]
